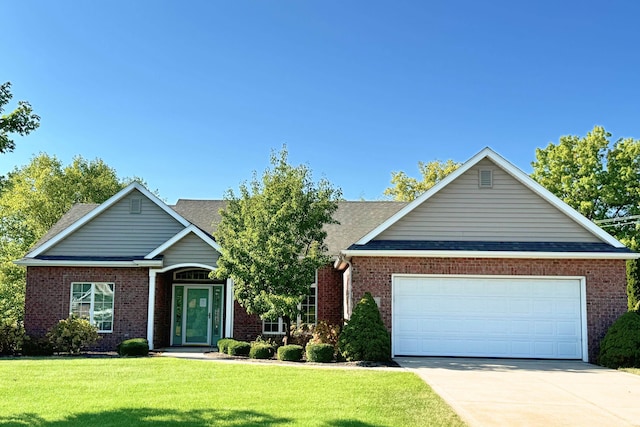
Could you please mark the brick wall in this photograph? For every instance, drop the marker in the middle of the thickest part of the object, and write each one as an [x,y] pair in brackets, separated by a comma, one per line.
[330,295]
[246,327]
[605,282]
[162,316]
[48,295]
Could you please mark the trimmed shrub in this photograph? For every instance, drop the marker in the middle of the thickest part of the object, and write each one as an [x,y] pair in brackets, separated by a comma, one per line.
[365,337]
[72,335]
[290,353]
[321,353]
[620,347]
[261,350]
[36,346]
[223,344]
[238,348]
[133,347]
[11,336]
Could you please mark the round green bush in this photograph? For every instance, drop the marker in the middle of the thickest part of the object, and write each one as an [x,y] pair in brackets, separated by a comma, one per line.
[620,347]
[290,353]
[72,335]
[239,348]
[223,344]
[261,351]
[365,337]
[321,353]
[133,347]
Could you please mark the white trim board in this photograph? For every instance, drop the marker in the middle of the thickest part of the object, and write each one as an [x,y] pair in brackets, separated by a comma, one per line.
[490,254]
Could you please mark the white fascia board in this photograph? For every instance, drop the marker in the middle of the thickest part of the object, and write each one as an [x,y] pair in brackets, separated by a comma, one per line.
[35,262]
[103,207]
[490,254]
[516,173]
[175,239]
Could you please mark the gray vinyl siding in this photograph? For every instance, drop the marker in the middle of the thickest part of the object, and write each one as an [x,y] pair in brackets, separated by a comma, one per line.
[509,211]
[190,249]
[116,232]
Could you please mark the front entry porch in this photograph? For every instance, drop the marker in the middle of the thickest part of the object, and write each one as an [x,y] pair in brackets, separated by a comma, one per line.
[188,308]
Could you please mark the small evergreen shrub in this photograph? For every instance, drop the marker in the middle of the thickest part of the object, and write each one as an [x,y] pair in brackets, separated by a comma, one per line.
[261,350]
[133,347]
[72,335]
[11,336]
[620,347]
[223,344]
[36,346]
[238,348]
[290,353]
[365,337]
[321,353]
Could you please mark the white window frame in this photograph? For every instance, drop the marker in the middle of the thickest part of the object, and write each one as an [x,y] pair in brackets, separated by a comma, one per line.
[280,322]
[92,302]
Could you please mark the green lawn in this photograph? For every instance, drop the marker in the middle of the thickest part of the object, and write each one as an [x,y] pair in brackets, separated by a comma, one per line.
[158,392]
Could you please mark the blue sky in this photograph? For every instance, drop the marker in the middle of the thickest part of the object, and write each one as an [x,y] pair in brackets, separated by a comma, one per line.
[192,96]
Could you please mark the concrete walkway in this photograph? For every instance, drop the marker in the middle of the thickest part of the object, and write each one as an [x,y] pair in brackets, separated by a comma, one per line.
[507,392]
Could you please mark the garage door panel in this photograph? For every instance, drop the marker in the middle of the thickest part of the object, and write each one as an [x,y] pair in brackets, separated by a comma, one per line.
[492,317]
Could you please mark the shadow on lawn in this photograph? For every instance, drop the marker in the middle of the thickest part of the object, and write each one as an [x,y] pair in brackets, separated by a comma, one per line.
[150,417]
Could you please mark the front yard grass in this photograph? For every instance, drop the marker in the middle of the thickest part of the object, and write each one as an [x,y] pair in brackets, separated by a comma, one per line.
[159,392]
[631,370]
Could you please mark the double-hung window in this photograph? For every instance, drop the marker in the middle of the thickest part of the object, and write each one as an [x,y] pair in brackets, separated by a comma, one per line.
[308,314]
[93,301]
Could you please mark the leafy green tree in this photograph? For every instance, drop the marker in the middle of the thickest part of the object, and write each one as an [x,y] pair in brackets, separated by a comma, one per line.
[34,198]
[22,120]
[406,188]
[272,238]
[599,179]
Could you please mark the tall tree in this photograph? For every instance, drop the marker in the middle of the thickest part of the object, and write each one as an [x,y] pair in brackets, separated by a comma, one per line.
[272,238]
[34,198]
[405,188]
[600,180]
[22,120]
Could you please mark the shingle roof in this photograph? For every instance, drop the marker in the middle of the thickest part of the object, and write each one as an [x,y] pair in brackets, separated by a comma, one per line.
[440,245]
[356,218]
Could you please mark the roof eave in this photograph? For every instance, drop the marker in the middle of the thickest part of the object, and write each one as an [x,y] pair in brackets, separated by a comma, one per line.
[350,253]
[35,262]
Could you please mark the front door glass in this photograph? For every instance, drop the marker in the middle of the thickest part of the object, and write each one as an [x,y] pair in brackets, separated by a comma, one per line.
[197,309]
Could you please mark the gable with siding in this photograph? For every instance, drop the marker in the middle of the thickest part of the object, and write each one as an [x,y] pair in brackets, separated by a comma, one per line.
[119,232]
[508,211]
[190,249]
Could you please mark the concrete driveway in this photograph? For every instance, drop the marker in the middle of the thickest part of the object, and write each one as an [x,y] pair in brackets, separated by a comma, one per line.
[508,392]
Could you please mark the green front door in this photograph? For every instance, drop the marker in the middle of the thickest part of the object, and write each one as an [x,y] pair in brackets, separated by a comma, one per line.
[197,315]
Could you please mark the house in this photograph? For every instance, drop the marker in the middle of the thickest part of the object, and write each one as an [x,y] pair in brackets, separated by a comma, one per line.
[486,263]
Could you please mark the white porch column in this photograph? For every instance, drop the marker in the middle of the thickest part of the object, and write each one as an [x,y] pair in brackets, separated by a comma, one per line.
[228,327]
[151,306]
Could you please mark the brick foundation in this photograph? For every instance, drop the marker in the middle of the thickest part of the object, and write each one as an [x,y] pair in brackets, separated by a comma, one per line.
[605,282]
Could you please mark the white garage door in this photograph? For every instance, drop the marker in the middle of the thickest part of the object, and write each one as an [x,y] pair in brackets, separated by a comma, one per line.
[482,316]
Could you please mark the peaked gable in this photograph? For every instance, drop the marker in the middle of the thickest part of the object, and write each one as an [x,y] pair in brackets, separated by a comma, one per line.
[515,208]
[131,223]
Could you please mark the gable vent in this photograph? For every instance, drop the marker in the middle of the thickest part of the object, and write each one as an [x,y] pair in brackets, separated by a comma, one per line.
[135,206]
[485,178]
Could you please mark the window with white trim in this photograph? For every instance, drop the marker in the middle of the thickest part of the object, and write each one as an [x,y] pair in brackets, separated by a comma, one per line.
[93,301]
[308,314]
